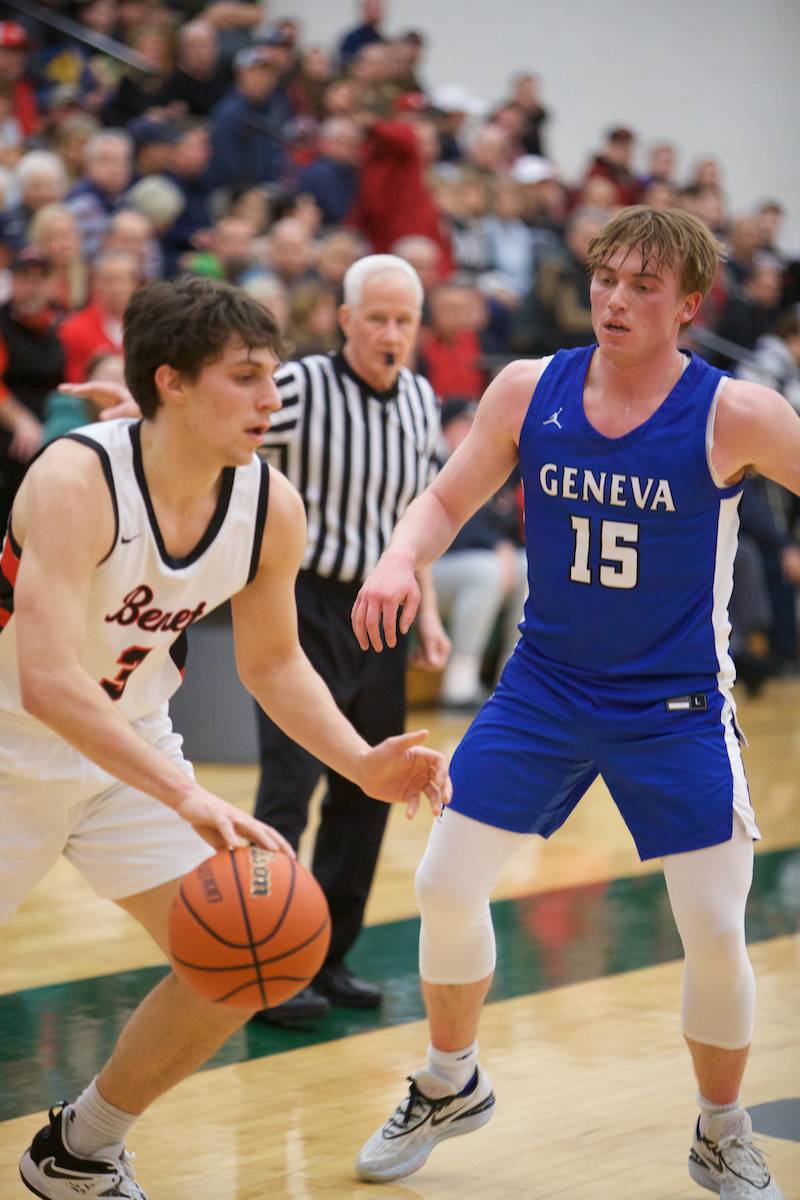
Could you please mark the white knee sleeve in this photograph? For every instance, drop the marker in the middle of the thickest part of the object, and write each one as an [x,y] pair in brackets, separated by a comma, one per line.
[454,880]
[708,892]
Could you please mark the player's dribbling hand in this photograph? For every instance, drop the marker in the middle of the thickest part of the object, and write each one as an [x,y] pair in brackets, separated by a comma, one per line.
[224,826]
[401,771]
[389,589]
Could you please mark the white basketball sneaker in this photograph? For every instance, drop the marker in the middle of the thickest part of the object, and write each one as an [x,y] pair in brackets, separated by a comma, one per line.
[725,1159]
[429,1114]
[49,1168]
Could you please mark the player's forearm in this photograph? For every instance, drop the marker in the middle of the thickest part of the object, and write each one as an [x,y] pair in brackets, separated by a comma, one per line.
[297,699]
[423,533]
[76,708]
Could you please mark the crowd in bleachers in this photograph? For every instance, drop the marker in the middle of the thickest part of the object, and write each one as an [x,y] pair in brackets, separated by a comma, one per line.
[164,136]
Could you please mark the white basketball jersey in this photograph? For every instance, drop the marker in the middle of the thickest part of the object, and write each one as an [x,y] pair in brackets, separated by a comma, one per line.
[142,599]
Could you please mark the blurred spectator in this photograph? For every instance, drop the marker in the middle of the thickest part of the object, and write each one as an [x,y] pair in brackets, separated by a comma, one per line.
[472,251]
[480,571]
[373,71]
[246,126]
[340,98]
[152,145]
[450,351]
[31,365]
[289,252]
[659,193]
[749,312]
[393,197]
[614,161]
[662,164]
[707,204]
[769,218]
[336,252]
[72,61]
[41,180]
[69,141]
[54,233]
[137,91]
[252,204]
[332,179]
[158,199]
[543,199]
[768,516]
[425,256]
[557,312]
[199,81]
[487,149]
[98,194]
[312,326]
[451,106]
[270,292]
[706,173]
[775,361]
[188,170]
[132,233]
[14,84]
[408,50]
[509,239]
[98,326]
[742,248]
[597,192]
[307,86]
[525,94]
[230,253]
[64,412]
[365,33]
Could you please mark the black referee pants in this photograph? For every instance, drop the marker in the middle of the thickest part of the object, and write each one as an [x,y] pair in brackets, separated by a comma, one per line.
[369,689]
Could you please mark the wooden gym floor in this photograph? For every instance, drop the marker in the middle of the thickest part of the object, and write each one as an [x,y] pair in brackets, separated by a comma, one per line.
[595,1097]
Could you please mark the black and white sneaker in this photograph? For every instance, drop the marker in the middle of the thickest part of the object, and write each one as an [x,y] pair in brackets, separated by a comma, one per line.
[429,1114]
[725,1159]
[49,1168]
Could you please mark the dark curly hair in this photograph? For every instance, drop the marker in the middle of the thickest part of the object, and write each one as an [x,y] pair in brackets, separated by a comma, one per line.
[187,324]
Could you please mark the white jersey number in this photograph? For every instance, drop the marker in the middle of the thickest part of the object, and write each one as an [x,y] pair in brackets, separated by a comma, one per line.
[619,555]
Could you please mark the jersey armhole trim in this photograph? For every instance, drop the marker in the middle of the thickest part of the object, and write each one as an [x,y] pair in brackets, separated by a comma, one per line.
[261,518]
[105,463]
[728,488]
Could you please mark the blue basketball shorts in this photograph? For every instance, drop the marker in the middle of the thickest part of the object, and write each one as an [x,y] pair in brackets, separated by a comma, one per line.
[672,765]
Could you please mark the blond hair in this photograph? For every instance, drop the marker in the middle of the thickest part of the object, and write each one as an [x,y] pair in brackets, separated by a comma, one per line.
[668,238]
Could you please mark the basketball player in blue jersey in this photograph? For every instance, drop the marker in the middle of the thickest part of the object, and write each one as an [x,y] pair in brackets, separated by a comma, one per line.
[632,456]
[122,535]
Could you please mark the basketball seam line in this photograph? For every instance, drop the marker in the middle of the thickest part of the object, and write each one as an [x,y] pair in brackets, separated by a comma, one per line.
[259,977]
[264,962]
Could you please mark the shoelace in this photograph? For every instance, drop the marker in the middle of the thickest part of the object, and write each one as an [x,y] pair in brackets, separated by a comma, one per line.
[415,1104]
[741,1153]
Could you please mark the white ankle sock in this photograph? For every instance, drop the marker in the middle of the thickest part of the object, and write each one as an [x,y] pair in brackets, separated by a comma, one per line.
[709,1109]
[454,1066]
[92,1124]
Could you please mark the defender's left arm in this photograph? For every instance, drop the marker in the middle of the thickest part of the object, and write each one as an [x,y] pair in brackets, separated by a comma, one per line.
[756,428]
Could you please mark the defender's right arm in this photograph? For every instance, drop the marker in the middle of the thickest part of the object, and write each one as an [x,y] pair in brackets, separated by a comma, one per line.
[474,472]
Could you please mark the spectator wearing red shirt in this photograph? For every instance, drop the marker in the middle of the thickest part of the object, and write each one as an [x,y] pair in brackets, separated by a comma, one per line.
[615,162]
[14,48]
[450,351]
[98,326]
[393,199]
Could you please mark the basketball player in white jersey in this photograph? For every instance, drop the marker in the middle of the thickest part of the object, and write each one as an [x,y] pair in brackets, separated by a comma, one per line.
[123,535]
[632,456]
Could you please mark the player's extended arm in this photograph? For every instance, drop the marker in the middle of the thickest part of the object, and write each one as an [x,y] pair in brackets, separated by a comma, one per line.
[64,519]
[273,667]
[472,474]
[755,427]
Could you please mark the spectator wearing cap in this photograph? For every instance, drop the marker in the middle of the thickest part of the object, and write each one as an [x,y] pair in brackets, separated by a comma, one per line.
[53,232]
[99,193]
[14,52]
[199,80]
[98,326]
[451,106]
[365,33]
[31,366]
[614,161]
[247,126]
[332,179]
[393,197]
[543,200]
[42,180]
[153,139]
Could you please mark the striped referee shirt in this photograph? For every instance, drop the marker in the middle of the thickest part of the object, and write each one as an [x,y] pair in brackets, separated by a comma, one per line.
[357,457]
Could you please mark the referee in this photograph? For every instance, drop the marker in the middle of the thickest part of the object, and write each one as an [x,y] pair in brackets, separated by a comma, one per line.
[357,436]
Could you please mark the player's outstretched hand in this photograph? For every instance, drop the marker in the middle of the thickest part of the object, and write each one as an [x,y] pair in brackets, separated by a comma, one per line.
[113,398]
[402,771]
[224,826]
[389,589]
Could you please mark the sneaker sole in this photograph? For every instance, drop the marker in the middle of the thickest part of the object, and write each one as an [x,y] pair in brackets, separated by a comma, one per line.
[26,1159]
[386,1174]
[702,1174]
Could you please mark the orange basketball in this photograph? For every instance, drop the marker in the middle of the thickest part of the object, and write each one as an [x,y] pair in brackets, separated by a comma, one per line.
[249,927]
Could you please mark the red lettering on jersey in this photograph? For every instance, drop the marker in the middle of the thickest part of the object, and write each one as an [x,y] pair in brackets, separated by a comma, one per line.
[135,610]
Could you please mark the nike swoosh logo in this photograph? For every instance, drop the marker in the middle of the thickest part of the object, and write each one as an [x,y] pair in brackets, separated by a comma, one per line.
[48,1167]
[125,540]
[454,1112]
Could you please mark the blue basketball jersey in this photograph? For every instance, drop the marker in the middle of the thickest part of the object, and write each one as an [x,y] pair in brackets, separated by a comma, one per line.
[630,541]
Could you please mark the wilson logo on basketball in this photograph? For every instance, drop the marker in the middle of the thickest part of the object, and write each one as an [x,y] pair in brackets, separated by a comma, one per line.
[209,884]
[260,876]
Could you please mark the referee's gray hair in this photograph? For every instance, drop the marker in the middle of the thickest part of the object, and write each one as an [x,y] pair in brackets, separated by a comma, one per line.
[363,268]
